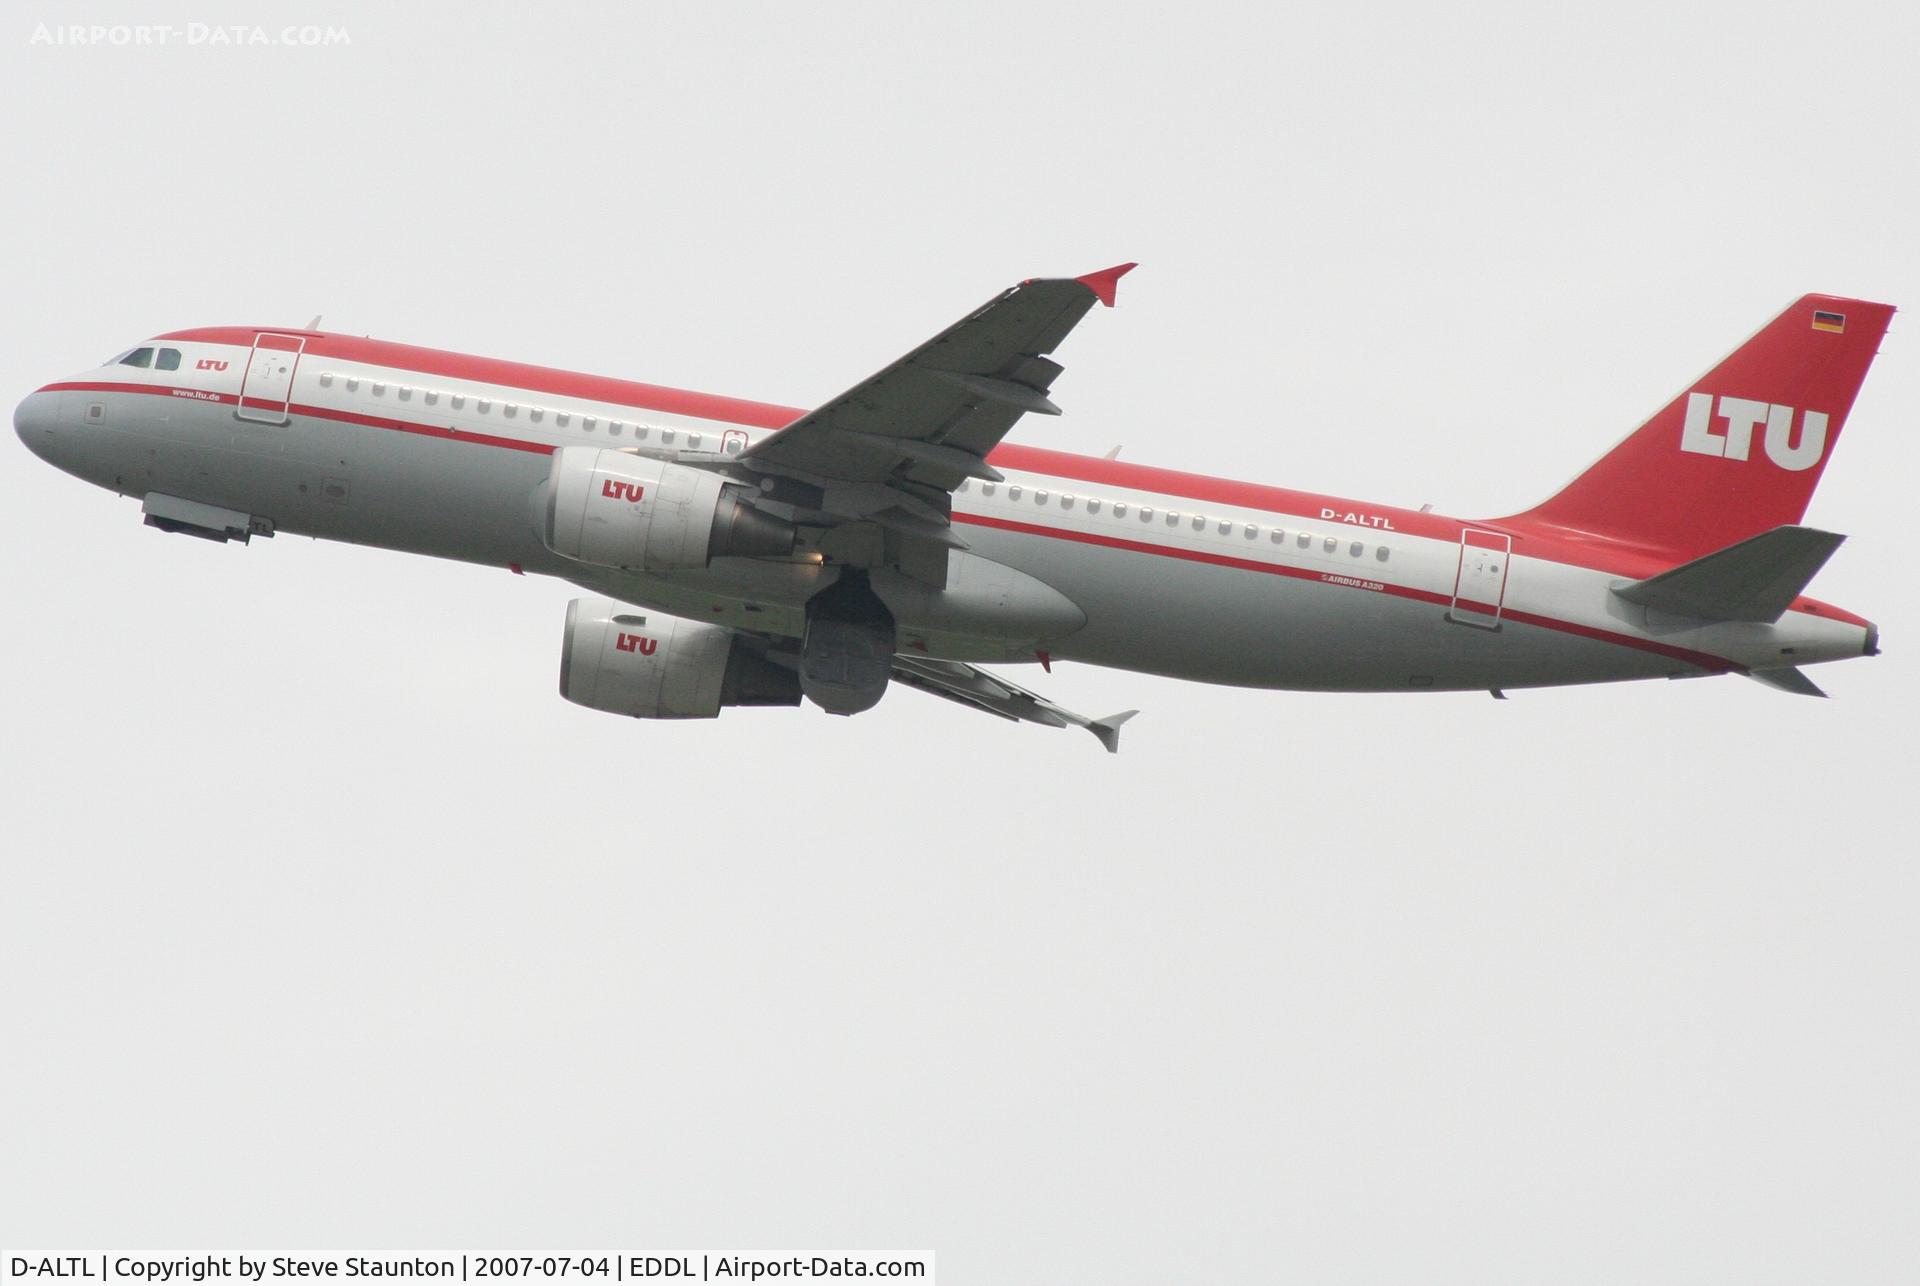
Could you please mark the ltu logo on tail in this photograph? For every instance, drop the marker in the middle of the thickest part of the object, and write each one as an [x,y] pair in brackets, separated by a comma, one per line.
[1742,416]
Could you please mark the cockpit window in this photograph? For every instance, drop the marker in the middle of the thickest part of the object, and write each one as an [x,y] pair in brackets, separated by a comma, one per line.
[141,357]
[169,360]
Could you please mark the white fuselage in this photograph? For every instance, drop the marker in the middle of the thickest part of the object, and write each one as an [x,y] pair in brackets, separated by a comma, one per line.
[1175,574]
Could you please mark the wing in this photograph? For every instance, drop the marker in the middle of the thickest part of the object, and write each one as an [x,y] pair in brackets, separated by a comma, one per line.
[971,686]
[889,450]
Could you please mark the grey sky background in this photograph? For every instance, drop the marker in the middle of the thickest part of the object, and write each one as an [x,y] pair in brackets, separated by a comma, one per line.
[324,921]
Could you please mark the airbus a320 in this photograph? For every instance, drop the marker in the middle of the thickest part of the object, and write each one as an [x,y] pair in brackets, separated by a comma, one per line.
[738,553]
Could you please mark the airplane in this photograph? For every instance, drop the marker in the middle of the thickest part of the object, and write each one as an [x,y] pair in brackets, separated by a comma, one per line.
[738,553]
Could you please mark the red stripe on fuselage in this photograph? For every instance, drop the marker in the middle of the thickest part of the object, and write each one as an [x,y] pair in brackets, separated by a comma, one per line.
[1705,660]
[163,390]
[446,432]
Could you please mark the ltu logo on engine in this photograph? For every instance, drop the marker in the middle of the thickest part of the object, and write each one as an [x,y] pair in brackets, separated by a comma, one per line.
[614,489]
[636,643]
[1742,416]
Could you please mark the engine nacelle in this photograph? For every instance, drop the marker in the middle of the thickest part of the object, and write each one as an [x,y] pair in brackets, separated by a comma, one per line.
[618,509]
[654,666]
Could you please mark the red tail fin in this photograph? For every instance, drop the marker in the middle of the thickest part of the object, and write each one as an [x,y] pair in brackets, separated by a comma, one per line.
[1740,451]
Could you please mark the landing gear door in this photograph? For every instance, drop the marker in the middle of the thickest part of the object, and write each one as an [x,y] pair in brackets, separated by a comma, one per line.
[266,389]
[1480,587]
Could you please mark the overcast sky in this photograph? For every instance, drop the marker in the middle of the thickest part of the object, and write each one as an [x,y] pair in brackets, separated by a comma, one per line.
[325,921]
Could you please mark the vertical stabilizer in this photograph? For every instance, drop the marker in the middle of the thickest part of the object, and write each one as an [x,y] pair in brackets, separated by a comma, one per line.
[1737,453]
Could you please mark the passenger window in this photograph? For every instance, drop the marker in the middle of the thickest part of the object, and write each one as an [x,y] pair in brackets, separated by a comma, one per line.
[353,383]
[484,405]
[1253,532]
[326,379]
[1093,506]
[433,397]
[1356,549]
[379,388]
[1332,543]
[1039,497]
[666,436]
[1199,522]
[510,409]
[141,357]
[459,400]
[1306,538]
[169,360]
[1013,493]
[1066,502]
[1119,508]
[1146,513]
[406,394]
[693,441]
[588,423]
[1381,553]
[534,413]
[614,429]
[1226,526]
[1279,537]
[964,484]
[562,419]
[1173,519]
[986,488]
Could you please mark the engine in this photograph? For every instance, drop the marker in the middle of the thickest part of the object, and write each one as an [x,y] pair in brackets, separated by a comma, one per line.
[618,509]
[653,666]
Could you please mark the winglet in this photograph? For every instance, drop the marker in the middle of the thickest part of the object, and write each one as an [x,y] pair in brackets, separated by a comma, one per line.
[1108,729]
[1104,283]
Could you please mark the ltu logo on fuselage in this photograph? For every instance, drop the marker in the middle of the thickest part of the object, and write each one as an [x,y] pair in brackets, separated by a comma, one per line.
[1742,416]
[616,490]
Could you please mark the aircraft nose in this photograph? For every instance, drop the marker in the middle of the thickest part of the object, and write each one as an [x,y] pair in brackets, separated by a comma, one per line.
[34,420]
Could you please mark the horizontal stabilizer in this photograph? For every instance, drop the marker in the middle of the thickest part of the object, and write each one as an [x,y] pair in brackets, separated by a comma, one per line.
[1788,679]
[1755,580]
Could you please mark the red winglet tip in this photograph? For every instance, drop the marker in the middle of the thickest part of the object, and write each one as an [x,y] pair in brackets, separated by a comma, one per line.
[1104,283]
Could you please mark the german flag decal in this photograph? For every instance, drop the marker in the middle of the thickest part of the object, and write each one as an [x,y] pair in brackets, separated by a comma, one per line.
[1835,322]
